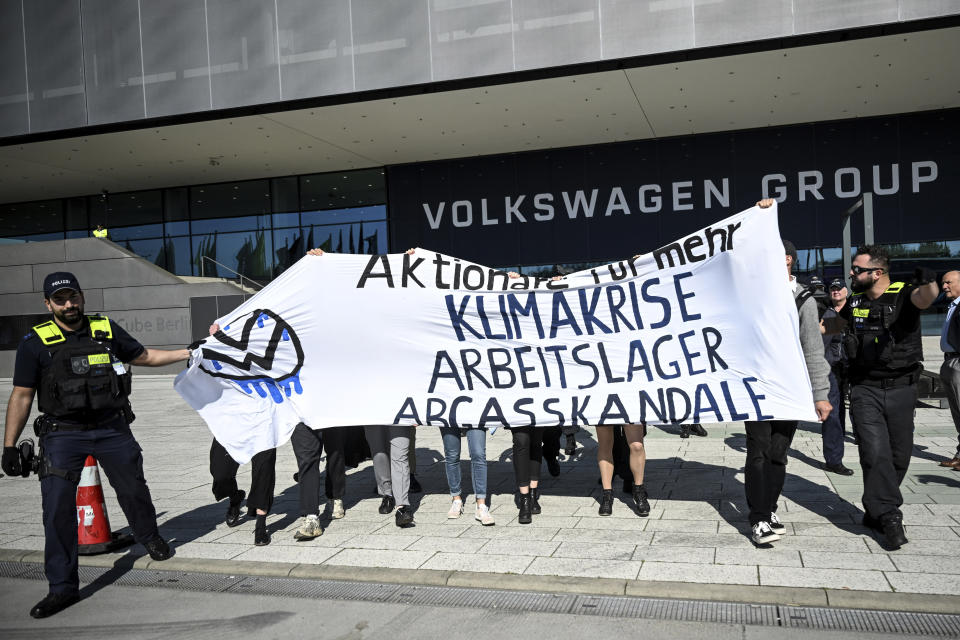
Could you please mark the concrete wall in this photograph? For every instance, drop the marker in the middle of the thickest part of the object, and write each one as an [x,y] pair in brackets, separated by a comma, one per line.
[150,303]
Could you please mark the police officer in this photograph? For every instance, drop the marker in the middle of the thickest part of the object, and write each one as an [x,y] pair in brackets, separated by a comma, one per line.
[100,232]
[884,353]
[74,363]
[836,356]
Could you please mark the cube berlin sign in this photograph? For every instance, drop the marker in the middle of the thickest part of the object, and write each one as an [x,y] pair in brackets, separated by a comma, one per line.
[703,330]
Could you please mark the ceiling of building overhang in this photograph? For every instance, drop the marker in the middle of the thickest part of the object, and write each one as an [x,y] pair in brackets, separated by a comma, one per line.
[859,78]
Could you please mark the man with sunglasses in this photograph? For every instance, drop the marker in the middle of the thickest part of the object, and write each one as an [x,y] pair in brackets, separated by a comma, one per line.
[884,353]
[74,364]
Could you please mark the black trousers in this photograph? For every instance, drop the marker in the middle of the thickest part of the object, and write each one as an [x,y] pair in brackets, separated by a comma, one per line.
[119,454]
[550,440]
[832,427]
[223,469]
[527,454]
[308,447]
[766,466]
[883,422]
[335,479]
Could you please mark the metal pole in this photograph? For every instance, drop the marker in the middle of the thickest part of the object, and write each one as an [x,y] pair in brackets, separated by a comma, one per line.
[847,260]
[868,218]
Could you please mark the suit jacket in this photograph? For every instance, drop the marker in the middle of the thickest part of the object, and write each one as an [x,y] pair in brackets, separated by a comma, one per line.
[953,331]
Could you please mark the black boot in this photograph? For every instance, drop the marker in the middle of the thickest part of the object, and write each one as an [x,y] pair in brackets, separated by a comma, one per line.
[640,500]
[260,536]
[571,447]
[535,499]
[893,531]
[606,503]
[526,504]
[233,510]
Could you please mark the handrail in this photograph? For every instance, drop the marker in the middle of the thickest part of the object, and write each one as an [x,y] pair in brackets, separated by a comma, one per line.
[234,271]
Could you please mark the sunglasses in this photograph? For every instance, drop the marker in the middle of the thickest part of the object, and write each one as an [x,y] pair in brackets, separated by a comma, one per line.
[858,270]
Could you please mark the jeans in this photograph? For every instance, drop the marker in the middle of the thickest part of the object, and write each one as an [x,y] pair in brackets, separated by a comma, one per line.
[477,444]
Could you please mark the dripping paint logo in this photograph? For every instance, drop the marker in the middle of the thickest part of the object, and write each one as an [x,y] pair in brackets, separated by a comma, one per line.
[265,358]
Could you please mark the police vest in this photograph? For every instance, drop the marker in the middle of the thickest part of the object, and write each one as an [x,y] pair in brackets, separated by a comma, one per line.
[879,345]
[99,233]
[84,375]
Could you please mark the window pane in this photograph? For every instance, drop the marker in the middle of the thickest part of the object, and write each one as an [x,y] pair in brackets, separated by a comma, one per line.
[230,199]
[75,215]
[341,190]
[286,220]
[369,238]
[127,216]
[174,256]
[113,75]
[247,223]
[284,194]
[31,219]
[247,253]
[149,250]
[288,248]
[343,216]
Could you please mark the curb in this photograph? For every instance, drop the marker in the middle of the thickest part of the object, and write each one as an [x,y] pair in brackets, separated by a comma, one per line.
[752,594]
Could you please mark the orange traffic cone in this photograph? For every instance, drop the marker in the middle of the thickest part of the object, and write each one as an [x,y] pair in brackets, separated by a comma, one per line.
[93,525]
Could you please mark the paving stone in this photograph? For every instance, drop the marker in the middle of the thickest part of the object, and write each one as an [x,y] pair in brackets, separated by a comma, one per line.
[491,563]
[380,558]
[213,550]
[686,526]
[920,547]
[673,539]
[519,547]
[634,524]
[823,543]
[925,583]
[692,555]
[925,564]
[707,573]
[604,535]
[583,568]
[513,532]
[595,550]
[832,560]
[287,553]
[448,545]
[374,541]
[825,578]
[766,557]
[451,530]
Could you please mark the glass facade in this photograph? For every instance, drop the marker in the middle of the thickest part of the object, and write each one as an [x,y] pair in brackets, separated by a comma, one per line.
[256,228]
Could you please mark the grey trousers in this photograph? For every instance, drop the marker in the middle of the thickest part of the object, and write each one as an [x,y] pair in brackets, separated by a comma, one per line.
[950,375]
[390,446]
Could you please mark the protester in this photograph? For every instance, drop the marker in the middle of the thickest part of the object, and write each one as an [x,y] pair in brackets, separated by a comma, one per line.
[768,442]
[477,445]
[634,434]
[223,470]
[80,419]
[885,353]
[950,345]
[527,459]
[833,427]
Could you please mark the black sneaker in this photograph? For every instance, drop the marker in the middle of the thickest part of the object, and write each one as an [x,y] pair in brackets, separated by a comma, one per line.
[893,531]
[233,509]
[386,505]
[571,447]
[535,502]
[684,431]
[53,603]
[553,466]
[606,503]
[839,469]
[640,500]
[415,485]
[404,516]
[698,430]
[158,548]
[872,523]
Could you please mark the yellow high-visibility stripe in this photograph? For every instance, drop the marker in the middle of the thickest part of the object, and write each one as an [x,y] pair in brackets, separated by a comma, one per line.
[49,332]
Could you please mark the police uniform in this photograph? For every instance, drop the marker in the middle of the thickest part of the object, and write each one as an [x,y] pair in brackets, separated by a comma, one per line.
[82,392]
[884,352]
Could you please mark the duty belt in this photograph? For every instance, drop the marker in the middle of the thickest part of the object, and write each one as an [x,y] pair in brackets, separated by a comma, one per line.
[47,424]
[890,383]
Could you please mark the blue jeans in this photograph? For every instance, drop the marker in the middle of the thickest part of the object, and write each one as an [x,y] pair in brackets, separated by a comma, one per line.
[477,443]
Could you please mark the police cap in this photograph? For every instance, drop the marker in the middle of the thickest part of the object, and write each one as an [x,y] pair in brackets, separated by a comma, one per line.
[59,280]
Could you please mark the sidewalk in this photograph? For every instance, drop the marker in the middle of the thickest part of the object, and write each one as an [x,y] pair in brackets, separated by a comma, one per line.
[694,544]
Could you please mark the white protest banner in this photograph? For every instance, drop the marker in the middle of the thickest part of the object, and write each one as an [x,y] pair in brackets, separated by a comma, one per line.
[701,330]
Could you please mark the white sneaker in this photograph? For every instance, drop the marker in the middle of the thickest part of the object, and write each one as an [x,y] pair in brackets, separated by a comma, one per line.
[338,510]
[310,528]
[763,534]
[483,516]
[776,526]
[456,509]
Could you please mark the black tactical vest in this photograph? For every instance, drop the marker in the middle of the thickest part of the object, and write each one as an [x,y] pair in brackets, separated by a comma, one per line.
[881,348]
[84,376]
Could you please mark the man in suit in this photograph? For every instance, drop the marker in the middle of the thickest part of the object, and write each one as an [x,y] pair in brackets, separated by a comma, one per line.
[950,345]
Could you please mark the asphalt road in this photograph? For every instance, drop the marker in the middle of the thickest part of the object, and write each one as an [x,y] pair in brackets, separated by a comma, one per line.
[125,612]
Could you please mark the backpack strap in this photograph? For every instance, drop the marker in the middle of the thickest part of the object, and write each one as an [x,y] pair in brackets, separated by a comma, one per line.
[803,296]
